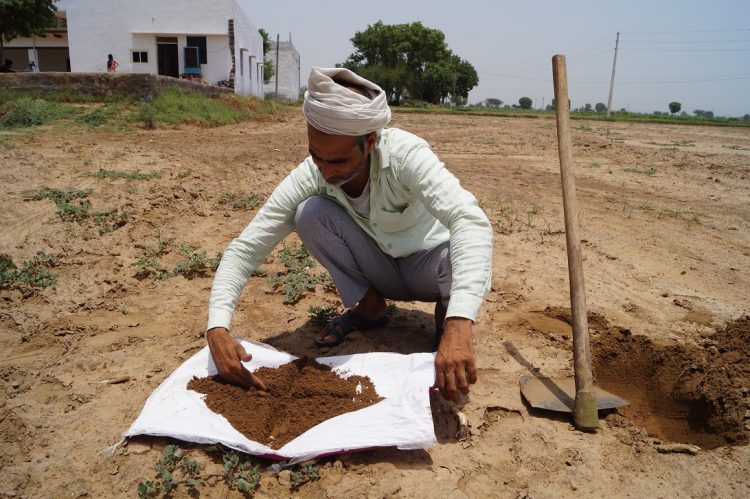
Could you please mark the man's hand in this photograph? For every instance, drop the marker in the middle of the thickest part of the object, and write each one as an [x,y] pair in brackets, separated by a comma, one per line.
[227,353]
[454,363]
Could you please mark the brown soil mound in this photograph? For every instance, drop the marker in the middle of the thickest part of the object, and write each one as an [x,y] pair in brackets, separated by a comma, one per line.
[676,392]
[300,395]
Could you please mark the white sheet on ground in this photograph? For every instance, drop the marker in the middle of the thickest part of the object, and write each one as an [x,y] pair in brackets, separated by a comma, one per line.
[403,419]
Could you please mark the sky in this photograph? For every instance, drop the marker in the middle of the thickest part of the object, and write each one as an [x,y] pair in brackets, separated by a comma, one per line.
[693,52]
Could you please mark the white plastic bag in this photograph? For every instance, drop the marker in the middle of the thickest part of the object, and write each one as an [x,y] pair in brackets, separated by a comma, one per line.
[403,419]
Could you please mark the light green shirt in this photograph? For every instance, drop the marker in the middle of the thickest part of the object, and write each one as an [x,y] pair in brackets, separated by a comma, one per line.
[415,204]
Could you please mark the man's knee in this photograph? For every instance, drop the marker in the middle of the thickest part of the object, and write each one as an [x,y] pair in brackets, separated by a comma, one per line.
[309,214]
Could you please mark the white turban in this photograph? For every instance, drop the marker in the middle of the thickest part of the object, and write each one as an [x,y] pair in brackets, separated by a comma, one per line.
[337,110]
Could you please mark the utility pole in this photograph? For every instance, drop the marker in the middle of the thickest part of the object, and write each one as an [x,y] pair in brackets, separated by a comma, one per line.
[276,92]
[612,81]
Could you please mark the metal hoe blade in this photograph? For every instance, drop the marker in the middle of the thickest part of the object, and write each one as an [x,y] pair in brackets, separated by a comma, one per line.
[558,394]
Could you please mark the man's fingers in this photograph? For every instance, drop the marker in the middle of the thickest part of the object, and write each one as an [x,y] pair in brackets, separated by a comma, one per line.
[450,386]
[471,371]
[241,352]
[463,385]
[257,382]
[440,380]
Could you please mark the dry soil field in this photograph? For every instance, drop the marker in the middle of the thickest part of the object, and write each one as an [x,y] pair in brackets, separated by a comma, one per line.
[665,218]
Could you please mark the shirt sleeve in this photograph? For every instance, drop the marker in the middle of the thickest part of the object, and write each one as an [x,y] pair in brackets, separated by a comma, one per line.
[470,229]
[274,221]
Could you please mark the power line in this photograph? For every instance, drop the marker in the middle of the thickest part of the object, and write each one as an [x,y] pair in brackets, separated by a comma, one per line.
[688,31]
[687,50]
[688,41]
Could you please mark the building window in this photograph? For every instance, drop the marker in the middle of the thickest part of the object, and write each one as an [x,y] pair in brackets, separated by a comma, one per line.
[200,43]
[140,56]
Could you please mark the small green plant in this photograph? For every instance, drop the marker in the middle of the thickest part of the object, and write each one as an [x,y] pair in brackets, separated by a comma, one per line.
[547,231]
[505,216]
[185,173]
[321,315]
[109,221]
[296,281]
[151,266]
[80,212]
[304,475]
[240,201]
[174,469]
[651,171]
[135,175]
[531,212]
[196,263]
[33,273]
[594,164]
[243,476]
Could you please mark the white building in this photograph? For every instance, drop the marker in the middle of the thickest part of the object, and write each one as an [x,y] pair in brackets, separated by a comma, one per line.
[287,72]
[212,39]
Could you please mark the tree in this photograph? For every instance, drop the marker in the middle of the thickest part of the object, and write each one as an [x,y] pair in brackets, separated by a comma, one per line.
[674,107]
[600,107]
[24,18]
[525,102]
[699,112]
[411,60]
[492,102]
[708,114]
[268,67]
[587,107]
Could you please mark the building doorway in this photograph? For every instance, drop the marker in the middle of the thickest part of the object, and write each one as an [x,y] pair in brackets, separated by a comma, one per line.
[167,56]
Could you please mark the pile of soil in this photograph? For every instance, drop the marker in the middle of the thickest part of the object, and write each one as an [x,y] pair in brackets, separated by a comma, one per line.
[679,393]
[299,395]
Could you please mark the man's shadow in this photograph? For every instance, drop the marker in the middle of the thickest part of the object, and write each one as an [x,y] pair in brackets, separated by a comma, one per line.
[407,331]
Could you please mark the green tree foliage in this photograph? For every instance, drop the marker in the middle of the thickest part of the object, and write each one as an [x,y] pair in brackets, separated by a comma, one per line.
[268,67]
[600,107]
[23,18]
[525,102]
[674,107]
[492,102]
[411,61]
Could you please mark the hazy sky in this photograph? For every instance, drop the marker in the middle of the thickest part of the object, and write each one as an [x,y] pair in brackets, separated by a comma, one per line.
[696,52]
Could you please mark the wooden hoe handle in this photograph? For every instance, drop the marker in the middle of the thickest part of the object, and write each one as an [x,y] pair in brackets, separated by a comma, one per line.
[585,414]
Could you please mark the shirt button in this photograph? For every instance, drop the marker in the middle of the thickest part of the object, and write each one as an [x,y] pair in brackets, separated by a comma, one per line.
[374,224]
[390,245]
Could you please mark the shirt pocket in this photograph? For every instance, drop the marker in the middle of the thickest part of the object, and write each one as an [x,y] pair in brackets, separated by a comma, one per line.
[396,221]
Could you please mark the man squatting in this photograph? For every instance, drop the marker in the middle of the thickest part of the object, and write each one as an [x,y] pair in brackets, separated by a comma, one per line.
[379,210]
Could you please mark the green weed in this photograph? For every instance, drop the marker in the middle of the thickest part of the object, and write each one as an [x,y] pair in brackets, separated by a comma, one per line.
[651,171]
[240,201]
[33,273]
[135,175]
[321,315]
[28,112]
[173,469]
[151,266]
[304,475]
[196,263]
[107,221]
[243,476]
[296,281]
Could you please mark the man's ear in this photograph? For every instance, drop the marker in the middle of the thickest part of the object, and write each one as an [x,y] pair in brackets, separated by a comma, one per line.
[372,138]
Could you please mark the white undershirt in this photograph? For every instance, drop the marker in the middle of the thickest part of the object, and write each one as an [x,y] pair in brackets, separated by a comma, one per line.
[361,204]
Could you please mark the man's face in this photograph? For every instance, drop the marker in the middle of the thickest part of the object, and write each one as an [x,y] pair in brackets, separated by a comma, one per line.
[338,157]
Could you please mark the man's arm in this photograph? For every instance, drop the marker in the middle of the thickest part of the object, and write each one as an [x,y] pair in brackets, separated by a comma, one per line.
[471,261]
[272,223]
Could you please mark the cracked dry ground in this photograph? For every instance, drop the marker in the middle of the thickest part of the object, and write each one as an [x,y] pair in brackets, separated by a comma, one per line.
[665,218]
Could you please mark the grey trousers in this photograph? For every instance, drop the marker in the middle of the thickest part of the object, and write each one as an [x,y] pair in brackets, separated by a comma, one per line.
[355,261]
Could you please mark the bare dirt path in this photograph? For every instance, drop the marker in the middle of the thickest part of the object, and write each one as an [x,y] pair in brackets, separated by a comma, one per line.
[665,217]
